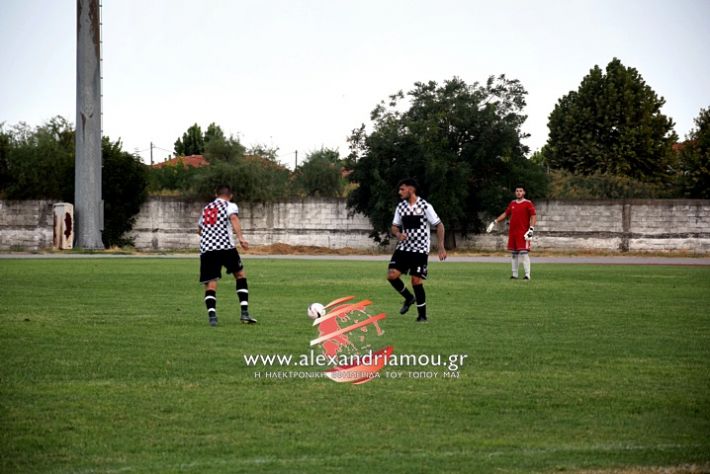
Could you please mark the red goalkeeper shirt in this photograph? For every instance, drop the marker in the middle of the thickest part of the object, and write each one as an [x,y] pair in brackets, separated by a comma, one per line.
[519,213]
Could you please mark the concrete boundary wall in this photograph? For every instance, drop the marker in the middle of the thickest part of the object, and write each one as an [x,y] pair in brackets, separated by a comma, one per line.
[632,225]
[26,225]
[169,224]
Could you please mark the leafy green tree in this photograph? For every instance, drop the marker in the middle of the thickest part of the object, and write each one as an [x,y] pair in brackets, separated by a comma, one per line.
[221,149]
[264,151]
[124,183]
[695,158]
[321,174]
[39,162]
[462,142]
[611,125]
[191,143]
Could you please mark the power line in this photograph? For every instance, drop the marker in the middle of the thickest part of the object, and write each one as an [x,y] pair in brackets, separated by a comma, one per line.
[295,153]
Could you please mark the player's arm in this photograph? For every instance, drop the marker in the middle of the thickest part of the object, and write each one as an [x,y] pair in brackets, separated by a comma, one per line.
[236,225]
[397,232]
[533,221]
[440,234]
[498,219]
[397,229]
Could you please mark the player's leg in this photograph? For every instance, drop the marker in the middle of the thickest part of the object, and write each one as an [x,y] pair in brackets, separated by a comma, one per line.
[515,263]
[236,267]
[394,272]
[526,263]
[243,296]
[419,273]
[242,289]
[420,295]
[210,272]
[393,276]
[211,301]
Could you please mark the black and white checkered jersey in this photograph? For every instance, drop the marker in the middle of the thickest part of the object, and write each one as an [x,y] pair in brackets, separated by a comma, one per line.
[415,221]
[216,228]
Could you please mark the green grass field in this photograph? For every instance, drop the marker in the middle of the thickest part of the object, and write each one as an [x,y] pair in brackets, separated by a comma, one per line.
[110,365]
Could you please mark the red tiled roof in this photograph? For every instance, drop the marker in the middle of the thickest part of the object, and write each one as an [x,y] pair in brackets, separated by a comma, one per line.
[194,161]
[680,146]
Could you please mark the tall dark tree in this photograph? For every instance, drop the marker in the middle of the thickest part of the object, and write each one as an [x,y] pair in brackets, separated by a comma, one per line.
[213,132]
[611,125]
[695,158]
[462,142]
[125,180]
[5,148]
[191,143]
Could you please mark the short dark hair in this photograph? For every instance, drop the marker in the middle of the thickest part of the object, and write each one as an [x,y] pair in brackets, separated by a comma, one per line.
[223,190]
[521,187]
[408,182]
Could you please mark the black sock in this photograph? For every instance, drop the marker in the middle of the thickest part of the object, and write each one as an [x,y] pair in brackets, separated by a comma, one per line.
[421,300]
[243,293]
[211,302]
[398,285]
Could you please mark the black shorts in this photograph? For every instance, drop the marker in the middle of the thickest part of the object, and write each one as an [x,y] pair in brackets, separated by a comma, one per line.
[211,264]
[414,263]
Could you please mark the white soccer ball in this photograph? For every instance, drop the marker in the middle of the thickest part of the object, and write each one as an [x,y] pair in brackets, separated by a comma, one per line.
[316,310]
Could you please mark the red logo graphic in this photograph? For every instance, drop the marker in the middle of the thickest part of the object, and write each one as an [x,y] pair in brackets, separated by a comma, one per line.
[343,335]
[209,217]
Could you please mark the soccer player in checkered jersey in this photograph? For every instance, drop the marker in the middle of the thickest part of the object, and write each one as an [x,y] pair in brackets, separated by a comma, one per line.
[411,226]
[217,249]
[520,230]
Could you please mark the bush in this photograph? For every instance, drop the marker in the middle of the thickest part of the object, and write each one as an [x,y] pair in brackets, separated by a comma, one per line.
[564,185]
[252,178]
[320,175]
[178,177]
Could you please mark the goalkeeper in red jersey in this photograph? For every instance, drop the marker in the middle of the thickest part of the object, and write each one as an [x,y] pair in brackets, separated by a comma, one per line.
[522,216]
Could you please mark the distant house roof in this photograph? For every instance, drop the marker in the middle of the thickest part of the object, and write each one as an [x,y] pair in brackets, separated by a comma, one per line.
[194,161]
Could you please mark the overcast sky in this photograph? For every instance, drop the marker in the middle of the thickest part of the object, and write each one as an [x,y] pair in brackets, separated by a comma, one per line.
[300,75]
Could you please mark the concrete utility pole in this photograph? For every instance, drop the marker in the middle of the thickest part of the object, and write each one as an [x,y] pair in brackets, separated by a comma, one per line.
[88,206]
